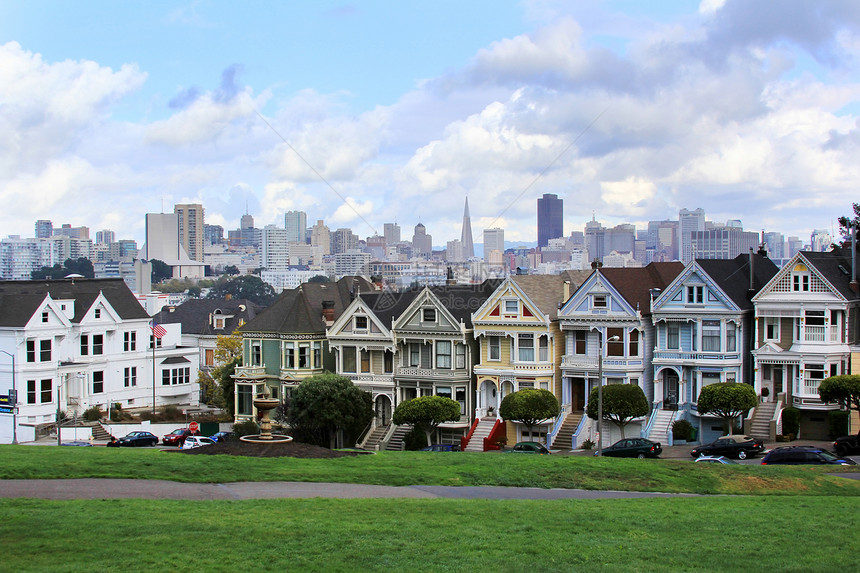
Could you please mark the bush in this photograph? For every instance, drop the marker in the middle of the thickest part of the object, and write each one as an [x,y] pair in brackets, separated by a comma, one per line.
[790,421]
[837,421]
[93,414]
[246,428]
[587,445]
[682,430]
[414,440]
[172,414]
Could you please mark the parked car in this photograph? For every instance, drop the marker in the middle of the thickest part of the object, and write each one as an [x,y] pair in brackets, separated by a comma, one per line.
[442,448]
[220,436]
[715,460]
[176,437]
[529,448]
[196,442]
[803,455]
[633,448]
[847,445]
[733,446]
[138,439]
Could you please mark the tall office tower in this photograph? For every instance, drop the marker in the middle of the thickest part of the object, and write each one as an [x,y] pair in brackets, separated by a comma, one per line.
[44,229]
[422,243]
[275,254]
[621,238]
[392,233]
[662,240]
[595,239]
[247,222]
[454,252]
[295,222]
[190,220]
[105,237]
[343,240]
[127,248]
[688,223]
[494,240]
[550,218]
[213,234]
[820,240]
[321,237]
[725,243]
[67,230]
[467,247]
[794,245]
[775,245]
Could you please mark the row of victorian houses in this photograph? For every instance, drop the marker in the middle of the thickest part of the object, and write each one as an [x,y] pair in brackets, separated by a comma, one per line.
[671,329]
[668,328]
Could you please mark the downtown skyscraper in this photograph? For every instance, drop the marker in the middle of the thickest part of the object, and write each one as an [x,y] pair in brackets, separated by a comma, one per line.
[550,218]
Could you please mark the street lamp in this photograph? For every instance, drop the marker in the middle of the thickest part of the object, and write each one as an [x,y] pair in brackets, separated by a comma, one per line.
[13,397]
[600,392]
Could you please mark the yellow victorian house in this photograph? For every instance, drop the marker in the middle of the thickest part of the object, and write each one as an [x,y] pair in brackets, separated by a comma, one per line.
[520,346]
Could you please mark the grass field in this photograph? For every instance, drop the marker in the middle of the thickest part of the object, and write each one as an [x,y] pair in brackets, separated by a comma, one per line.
[689,534]
[426,468]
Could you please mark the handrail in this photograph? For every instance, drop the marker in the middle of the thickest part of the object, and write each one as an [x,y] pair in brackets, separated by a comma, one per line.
[574,439]
[776,420]
[559,421]
[646,431]
[465,441]
[365,433]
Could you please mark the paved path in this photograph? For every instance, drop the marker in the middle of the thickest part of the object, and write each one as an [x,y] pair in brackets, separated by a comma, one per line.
[62,489]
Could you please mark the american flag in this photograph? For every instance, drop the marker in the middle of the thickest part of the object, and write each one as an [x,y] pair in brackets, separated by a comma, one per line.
[158,331]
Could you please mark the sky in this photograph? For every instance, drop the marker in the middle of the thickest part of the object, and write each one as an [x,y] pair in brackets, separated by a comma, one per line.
[372,112]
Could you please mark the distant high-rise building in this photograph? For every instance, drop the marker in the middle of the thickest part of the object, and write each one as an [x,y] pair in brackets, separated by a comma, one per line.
[190,221]
[725,243]
[662,240]
[20,257]
[247,222]
[775,243]
[422,243]
[468,248]
[275,254]
[595,239]
[295,222]
[392,233]
[67,230]
[44,229]
[494,240]
[820,240]
[688,223]
[550,218]
[213,234]
[105,237]
[794,245]
[454,251]
[321,237]
[343,240]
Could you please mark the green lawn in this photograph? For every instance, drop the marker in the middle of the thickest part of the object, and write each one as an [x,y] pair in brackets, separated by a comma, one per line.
[426,468]
[687,534]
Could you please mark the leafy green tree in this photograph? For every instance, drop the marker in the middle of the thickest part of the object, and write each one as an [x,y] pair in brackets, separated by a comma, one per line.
[529,406]
[161,271]
[426,413]
[249,287]
[56,272]
[80,266]
[847,223]
[727,400]
[621,404]
[329,410]
[231,270]
[194,291]
[319,279]
[843,389]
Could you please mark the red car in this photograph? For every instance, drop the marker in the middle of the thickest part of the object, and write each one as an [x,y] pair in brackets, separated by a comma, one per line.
[176,437]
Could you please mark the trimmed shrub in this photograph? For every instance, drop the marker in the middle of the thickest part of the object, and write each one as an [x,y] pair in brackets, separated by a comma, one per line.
[682,430]
[790,421]
[93,414]
[837,421]
[246,428]
[414,440]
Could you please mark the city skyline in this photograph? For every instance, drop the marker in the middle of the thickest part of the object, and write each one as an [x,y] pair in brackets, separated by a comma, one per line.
[627,114]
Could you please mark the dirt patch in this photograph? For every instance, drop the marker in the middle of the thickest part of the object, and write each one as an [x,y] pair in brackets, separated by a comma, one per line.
[288,449]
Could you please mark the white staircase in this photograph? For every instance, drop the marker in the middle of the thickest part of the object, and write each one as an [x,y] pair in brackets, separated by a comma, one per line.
[760,423]
[662,425]
[482,430]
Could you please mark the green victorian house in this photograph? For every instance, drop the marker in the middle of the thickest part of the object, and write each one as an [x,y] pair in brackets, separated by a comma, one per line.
[286,343]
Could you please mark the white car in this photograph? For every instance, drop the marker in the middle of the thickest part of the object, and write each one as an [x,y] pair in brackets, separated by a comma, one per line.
[196,442]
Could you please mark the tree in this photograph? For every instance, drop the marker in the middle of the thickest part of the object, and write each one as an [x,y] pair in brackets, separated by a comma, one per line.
[249,287]
[231,270]
[80,266]
[328,409]
[621,403]
[727,400]
[161,271]
[227,355]
[847,223]
[426,413]
[843,389]
[319,279]
[529,406]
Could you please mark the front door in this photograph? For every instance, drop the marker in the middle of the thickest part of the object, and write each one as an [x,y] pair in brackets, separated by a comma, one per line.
[670,390]
[778,374]
[383,410]
[577,402]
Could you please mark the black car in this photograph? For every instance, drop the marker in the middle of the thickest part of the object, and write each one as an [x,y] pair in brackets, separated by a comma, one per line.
[138,439]
[803,455]
[633,448]
[845,445]
[734,446]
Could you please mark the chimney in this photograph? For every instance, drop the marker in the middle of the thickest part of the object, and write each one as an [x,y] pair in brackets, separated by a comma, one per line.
[566,290]
[328,312]
[751,291]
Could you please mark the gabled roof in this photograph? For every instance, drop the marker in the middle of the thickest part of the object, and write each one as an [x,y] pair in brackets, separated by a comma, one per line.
[195,315]
[835,267]
[19,300]
[733,276]
[300,310]
[547,291]
[635,284]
